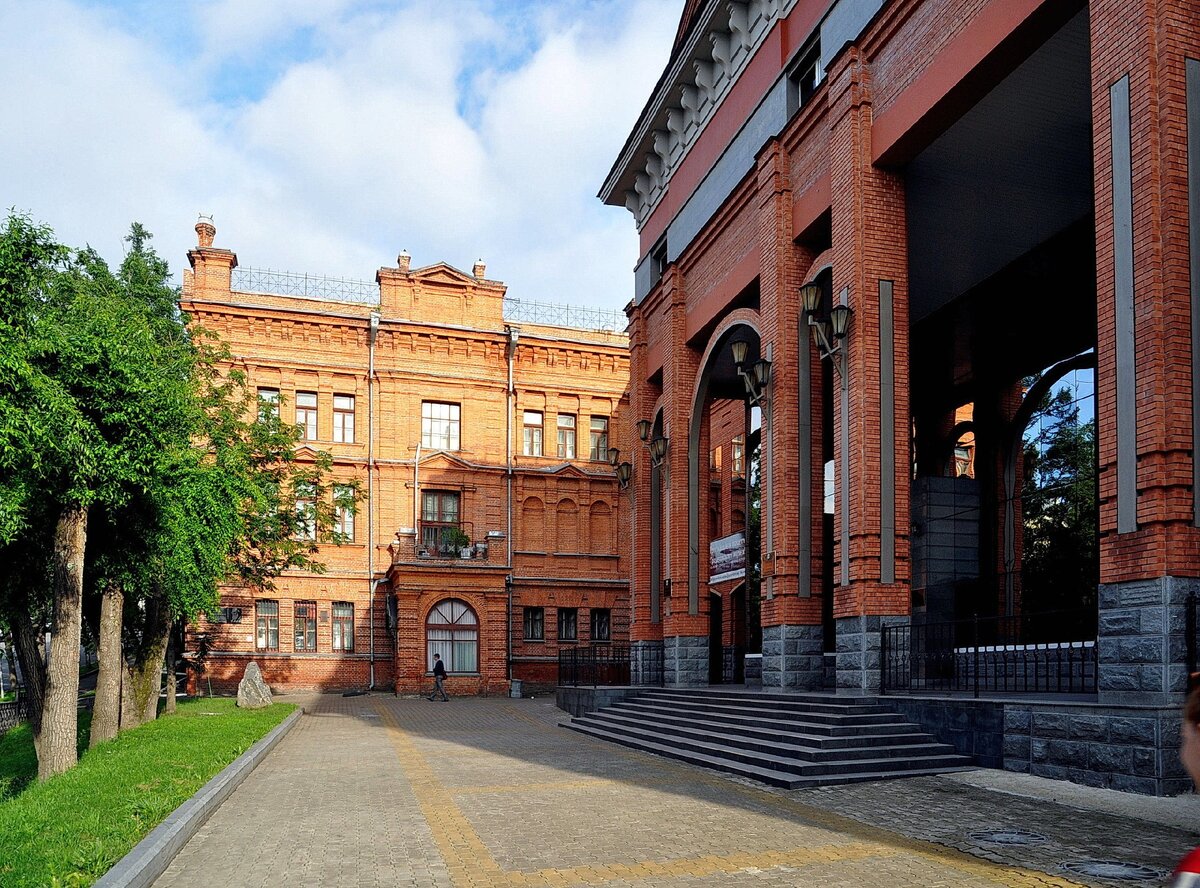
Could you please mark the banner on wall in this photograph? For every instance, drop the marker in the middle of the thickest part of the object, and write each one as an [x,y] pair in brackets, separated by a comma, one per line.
[727,558]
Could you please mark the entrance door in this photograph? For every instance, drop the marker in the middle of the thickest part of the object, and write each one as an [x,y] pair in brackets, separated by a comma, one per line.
[715,649]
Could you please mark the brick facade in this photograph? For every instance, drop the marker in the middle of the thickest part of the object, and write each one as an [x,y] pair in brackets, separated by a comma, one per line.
[543,531]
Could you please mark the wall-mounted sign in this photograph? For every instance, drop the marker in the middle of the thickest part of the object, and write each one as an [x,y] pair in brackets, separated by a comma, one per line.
[727,558]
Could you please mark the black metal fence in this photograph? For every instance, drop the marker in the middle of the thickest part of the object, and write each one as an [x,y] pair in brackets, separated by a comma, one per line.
[1047,653]
[12,714]
[606,664]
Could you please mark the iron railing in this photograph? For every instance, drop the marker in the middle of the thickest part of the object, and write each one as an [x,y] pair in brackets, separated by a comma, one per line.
[733,662]
[12,714]
[610,664]
[556,315]
[308,286]
[1048,653]
[274,282]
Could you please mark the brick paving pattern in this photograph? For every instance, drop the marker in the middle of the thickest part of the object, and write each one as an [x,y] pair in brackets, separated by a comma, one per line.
[371,791]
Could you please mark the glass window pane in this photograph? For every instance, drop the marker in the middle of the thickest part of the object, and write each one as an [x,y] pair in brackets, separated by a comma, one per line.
[464,657]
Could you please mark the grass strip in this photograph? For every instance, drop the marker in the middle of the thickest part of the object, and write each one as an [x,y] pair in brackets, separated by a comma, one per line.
[71,829]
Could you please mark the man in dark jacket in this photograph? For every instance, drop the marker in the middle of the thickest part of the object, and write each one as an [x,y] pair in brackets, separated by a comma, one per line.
[439,675]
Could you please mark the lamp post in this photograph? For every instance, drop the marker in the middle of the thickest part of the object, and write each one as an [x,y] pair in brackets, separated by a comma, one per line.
[757,378]
[828,331]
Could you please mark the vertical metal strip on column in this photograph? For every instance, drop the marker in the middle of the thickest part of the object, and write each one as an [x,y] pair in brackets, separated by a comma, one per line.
[887,437]
[804,388]
[1122,211]
[655,543]
[844,469]
[1193,172]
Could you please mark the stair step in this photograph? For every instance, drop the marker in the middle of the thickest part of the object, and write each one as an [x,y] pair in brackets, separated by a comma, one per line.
[883,723]
[770,776]
[809,702]
[797,745]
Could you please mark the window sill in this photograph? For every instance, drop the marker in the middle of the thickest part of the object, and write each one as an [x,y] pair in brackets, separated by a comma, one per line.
[534,640]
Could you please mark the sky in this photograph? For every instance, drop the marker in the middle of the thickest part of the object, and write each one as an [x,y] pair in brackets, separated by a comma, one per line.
[325,136]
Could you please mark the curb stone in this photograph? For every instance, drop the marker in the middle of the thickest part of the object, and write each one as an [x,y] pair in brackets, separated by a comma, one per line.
[151,856]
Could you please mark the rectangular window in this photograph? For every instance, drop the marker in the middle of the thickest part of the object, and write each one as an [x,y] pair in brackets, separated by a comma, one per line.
[343,626]
[343,504]
[306,415]
[439,425]
[343,419]
[268,402]
[599,446]
[601,624]
[566,436]
[714,460]
[804,78]
[535,623]
[266,622]
[568,624]
[306,513]
[439,515]
[738,456]
[304,619]
[533,433]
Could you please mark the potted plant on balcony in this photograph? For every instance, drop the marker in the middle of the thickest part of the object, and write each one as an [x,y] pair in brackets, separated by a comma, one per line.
[457,541]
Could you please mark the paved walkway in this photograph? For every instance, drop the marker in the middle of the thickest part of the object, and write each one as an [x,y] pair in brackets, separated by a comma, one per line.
[375,791]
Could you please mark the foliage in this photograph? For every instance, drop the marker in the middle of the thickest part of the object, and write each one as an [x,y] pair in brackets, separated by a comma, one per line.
[75,826]
[1060,563]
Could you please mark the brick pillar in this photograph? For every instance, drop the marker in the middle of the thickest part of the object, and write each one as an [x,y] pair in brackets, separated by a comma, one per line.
[685,613]
[1148,290]
[792,637]
[872,415]
[212,268]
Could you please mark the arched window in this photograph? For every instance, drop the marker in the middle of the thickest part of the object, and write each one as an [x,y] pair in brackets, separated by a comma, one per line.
[452,630]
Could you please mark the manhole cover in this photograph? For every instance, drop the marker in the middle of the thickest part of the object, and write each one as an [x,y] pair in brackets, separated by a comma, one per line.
[1113,869]
[1008,837]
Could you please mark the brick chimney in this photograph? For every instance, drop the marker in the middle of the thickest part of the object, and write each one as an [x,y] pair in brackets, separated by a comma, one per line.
[212,267]
[403,261]
[479,269]
[205,230]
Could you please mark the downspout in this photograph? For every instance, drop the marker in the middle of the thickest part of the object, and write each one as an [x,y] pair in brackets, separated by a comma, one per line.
[371,582]
[509,396]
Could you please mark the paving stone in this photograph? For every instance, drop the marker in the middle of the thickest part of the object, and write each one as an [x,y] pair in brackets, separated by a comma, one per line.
[375,791]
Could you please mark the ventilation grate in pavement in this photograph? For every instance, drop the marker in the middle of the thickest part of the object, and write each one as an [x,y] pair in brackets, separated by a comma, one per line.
[1008,837]
[1113,869]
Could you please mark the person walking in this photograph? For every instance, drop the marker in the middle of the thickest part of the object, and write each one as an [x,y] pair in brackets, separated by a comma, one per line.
[439,675]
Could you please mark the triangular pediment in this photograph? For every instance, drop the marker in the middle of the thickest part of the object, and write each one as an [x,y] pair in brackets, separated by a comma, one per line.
[444,460]
[442,273]
[570,470]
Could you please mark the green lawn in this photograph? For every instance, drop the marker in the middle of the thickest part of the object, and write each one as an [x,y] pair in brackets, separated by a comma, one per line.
[71,829]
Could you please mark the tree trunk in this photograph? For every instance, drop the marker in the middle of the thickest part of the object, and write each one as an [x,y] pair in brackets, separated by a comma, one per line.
[143,680]
[106,714]
[60,718]
[33,675]
[169,709]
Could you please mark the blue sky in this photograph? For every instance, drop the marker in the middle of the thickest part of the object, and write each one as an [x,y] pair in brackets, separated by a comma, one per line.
[327,135]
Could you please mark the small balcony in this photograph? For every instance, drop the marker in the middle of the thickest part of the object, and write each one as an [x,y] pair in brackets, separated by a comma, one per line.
[440,541]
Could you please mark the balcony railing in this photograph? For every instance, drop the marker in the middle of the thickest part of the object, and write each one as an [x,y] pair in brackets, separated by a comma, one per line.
[1048,653]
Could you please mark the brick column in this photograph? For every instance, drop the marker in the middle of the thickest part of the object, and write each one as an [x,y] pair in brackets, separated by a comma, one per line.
[685,616]
[1144,77]
[791,613]
[872,415]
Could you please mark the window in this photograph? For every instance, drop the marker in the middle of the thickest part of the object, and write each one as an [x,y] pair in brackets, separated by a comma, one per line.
[268,403]
[714,460]
[343,419]
[566,436]
[533,433]
[306,415]
[601,624]
[658,260]
[266,622]
[568,624]
[452,630]
[599,447]
[439,425]
[343,626]
[304,620]
[535,623]
[738,456]
[343,504]
[439,514]
[804,78]
[306,513]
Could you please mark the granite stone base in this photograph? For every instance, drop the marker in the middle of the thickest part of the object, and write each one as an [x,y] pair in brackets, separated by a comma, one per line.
[858,641]
[1142,639]
[685,661]
[646,662]
[580,701]
[792,657]
[754,670]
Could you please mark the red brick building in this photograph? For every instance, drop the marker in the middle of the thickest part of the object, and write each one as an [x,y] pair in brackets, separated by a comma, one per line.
[478,428]
[910,209]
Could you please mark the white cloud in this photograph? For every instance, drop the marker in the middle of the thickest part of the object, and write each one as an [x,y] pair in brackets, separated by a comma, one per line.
[425,126]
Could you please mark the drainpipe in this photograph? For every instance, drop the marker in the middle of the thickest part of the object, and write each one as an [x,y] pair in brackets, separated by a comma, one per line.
[417,497]
[510,398]
[373,584]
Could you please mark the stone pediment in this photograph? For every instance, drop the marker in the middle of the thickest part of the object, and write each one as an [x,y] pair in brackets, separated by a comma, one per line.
[570,470]
[442,273]
[443,460]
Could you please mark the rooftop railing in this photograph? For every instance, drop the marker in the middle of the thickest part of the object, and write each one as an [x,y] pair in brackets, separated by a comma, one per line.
[335,289]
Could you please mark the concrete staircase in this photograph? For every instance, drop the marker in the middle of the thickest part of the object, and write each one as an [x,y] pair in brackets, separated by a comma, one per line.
[788,740]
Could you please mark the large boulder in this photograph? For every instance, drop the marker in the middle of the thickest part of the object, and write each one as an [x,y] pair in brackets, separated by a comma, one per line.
[253,692]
